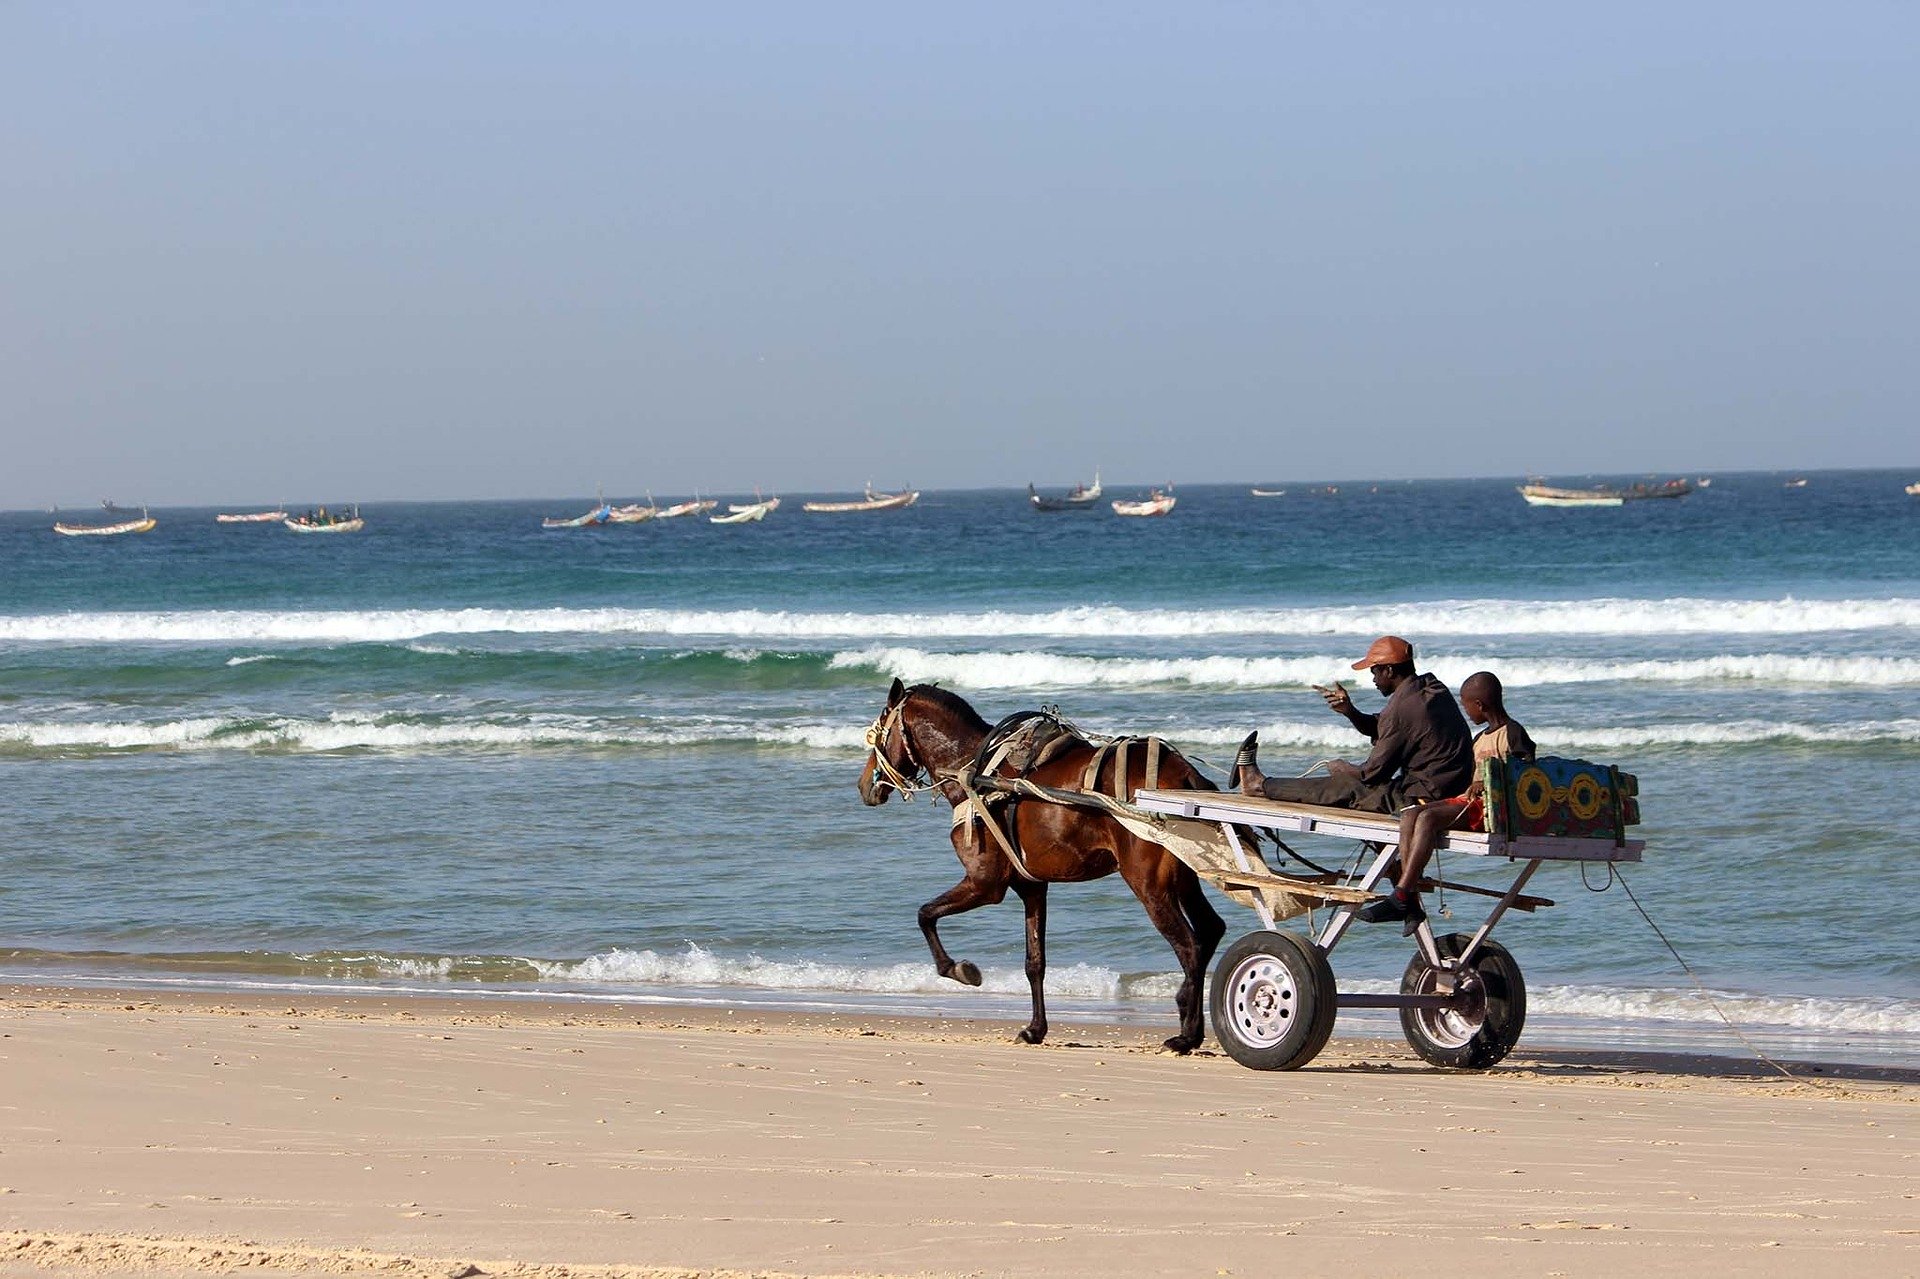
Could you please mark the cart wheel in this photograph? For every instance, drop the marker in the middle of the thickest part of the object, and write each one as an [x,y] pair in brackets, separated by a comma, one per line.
[1273,1001]
[1484,1024]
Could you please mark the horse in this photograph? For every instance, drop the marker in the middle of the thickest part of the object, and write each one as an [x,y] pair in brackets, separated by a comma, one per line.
[925,733]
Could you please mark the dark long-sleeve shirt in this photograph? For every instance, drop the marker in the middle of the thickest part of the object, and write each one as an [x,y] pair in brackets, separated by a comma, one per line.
[1421,736]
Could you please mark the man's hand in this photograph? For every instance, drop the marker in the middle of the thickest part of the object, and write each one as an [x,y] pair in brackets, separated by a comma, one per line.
[1337,698]
[1342,768]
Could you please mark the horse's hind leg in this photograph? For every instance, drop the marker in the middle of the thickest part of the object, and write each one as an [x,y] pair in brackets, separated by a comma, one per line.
[1163,895]
[963,896]
[1034,897]
[1208,929]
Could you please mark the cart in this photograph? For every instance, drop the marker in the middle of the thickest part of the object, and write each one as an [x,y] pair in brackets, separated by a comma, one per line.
[1462,999]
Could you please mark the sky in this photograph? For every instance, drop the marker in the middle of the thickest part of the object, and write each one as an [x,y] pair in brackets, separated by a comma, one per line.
[367,251]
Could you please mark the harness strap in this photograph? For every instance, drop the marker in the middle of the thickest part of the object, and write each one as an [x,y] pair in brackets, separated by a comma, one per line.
[1120,768]
[1154,747]
[972,809]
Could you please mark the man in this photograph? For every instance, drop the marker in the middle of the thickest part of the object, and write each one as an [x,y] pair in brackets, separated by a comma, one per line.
[1421,747]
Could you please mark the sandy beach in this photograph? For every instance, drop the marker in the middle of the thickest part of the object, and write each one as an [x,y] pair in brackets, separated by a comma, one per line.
[179,1134]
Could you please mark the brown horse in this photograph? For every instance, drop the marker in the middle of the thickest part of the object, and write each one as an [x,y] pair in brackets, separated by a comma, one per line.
[926,732]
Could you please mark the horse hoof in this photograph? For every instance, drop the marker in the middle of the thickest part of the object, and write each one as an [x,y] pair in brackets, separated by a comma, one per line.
[966,972]
[1028,1035]
[1179,1045]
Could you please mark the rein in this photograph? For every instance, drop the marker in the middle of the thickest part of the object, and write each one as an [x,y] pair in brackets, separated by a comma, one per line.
[890,722]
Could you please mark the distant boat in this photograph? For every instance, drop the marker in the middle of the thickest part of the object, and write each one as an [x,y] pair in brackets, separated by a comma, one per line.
[144,524]
[325,521]
[872,502]
[1269,492]
[632,513]
[698,506]
[1705,481]
[1040,502]
[1913,489]
[1665,489]
[1547,495]
[251,517]
[1796,482]
[752,513]
[600,514]
[107,505]
[771,503]
[1155,503]
[1081,497]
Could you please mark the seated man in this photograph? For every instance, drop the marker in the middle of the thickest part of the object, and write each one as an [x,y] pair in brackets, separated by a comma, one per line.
[1422,827]
[1421,747]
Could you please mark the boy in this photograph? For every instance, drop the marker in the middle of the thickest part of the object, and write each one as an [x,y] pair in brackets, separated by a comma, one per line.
[1423,825]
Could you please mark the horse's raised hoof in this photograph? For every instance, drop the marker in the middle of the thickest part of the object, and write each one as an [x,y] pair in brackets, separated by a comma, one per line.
[1180,1045]
[966,972]
[1029,1035]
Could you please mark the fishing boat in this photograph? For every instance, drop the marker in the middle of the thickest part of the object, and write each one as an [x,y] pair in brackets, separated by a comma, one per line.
[698,506]
[1548,495]
[771,503]
[1913,489]
[1704,482]
[1268,492]
[108,505]
[600,514]
[251,517]
[633,512]
[872,502]
[1797,482]
[1651,489]
[325,521]
[1155,503]
[1040,502]
[142,525]
[751,513]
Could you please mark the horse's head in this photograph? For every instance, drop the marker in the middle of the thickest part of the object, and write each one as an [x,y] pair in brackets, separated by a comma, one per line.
[891,762]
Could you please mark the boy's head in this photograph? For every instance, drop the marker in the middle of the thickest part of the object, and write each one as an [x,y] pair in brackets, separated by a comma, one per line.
[1480,694]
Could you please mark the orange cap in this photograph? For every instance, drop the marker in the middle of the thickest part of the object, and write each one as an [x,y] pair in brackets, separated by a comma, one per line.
[1388,650]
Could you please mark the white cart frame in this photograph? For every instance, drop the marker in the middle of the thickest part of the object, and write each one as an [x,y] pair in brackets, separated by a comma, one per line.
[1462,1000]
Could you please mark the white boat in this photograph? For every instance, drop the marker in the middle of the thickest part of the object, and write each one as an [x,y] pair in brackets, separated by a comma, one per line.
[1269,492]
[872,502]
[1913,489]
[144,524]
[251,517]
[322,521]
[1704,482]
[598,515]
[752,513]
[698,506]
[1795,483]
[1547,495]
[632,513]
[772,503]
[1155,503]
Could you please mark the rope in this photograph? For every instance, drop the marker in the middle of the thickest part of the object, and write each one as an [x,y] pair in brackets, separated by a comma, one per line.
[1701,986]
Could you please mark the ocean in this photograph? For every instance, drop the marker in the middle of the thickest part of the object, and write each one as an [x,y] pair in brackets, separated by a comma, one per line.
[457,753]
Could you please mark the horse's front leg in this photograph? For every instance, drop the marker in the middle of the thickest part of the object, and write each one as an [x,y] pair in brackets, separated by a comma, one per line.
[1034,897]
[963,896]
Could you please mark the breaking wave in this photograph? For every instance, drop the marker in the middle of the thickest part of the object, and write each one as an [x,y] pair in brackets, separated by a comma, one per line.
[1677,616]
[1043,670]
[399,734]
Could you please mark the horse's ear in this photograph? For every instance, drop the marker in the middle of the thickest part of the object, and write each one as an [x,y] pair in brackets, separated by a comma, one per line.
[895,693]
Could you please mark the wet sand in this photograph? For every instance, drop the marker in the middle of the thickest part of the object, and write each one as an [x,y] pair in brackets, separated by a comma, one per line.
[177,1134]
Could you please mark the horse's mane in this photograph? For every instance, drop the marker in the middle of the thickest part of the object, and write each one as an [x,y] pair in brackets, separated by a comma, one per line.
[952,703]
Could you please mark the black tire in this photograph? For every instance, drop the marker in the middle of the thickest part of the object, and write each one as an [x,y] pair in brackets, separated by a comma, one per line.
[1485,1026]
[1273,1001]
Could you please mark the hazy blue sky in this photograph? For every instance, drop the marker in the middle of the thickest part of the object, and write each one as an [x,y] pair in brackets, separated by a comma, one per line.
[327,251]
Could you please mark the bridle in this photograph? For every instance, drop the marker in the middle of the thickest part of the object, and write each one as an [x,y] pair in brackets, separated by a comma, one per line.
[908,784]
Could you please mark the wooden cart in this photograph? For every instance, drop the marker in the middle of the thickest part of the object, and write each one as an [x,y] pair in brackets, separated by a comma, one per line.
[1462,1000]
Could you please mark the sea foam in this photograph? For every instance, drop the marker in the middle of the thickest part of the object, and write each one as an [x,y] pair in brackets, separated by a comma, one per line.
[1619,616]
